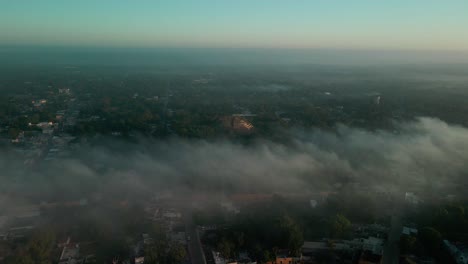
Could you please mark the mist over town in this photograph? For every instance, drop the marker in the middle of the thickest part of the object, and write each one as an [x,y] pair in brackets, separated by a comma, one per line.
[233,132]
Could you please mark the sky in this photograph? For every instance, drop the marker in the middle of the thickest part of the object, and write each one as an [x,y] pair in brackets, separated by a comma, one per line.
[360,24]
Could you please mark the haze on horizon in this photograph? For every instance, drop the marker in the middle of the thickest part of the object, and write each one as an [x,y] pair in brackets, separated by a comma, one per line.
[362,25]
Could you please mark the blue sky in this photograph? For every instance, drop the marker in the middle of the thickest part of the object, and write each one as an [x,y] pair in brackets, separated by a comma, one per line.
[357,24]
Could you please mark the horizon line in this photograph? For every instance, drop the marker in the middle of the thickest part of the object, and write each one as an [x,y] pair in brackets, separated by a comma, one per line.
[157,47]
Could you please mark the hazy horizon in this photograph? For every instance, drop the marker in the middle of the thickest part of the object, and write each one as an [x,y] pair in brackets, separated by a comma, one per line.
[58,55]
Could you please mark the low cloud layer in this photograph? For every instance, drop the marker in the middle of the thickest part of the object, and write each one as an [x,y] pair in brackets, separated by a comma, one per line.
[424,154]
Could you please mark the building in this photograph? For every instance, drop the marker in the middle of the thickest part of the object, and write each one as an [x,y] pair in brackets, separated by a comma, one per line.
[458,253]
[237,124]
[409,231]
[70,253]
[412,198]
[229,207]
[283,257]
[371,244]
[311,247]
[368,257]
[73,253]
[219,259]
[369,249]
[139,260]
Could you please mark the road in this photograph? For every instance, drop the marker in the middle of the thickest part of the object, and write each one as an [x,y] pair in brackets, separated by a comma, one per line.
[194,245]
[392,248]
[391,252]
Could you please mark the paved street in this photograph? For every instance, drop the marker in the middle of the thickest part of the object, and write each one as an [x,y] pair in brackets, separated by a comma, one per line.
[392,249]
[194,245]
